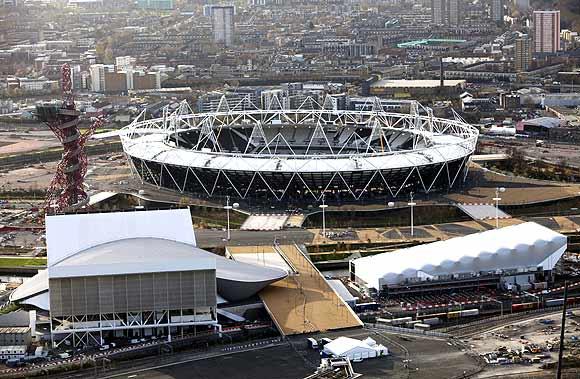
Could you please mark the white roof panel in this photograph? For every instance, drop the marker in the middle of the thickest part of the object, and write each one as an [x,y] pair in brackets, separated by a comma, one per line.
[134,256]
[341,290]
[152,147]
[72,233]
[31,286]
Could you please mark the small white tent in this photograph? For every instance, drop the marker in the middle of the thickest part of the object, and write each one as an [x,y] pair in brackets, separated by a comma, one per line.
[354,349]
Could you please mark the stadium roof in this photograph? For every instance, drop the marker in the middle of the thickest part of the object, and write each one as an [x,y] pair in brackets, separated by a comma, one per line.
[522,246]
[154,148]
[31,286]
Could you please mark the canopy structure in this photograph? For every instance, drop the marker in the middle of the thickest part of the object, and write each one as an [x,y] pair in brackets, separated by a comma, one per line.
[517,248]
[354,349]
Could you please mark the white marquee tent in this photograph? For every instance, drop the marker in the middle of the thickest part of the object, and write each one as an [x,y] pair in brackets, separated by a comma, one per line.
[520,248]
[354,349]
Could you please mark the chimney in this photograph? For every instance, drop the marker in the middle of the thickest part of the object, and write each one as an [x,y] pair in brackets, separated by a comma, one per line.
[441,73]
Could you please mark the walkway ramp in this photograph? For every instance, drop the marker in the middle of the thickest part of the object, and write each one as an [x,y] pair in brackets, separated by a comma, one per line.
[489,157]
[482,211]
[305,302]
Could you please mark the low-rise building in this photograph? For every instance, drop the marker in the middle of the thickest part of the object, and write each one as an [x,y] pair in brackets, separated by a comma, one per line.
[10,336]
[12,352]
[414,88]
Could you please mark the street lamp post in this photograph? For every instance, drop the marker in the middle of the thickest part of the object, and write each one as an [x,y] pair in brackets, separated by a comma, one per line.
[390,204]
[227,208]
[411,203]
[497,199]
[323,206]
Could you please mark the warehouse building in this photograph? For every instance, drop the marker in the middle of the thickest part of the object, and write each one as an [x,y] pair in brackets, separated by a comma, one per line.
[515,255]
[17,328]
[11,336]
[403,88]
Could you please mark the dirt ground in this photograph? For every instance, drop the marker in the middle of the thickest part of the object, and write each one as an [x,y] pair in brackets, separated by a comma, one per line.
[519,334]
[102,174]
[481,184]
[17,140]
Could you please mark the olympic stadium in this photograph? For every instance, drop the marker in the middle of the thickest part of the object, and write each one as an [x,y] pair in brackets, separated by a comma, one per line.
[300,155]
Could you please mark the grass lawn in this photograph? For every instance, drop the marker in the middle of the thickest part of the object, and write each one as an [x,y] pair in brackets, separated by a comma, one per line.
[22,262]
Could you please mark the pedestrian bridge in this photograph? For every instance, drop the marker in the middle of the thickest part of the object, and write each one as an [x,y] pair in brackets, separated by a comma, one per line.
[489,157]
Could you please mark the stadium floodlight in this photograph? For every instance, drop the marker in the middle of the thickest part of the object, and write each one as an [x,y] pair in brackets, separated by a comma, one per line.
[497,199]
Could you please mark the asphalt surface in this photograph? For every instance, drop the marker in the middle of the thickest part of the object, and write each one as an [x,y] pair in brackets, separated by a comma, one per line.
[428,358]
[274,362]
[212,238]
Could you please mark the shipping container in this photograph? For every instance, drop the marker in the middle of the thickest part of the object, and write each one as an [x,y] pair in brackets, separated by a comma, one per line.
[469,312]
[453,315]
[366,307]
[554,302]
[401,321]
[432,321]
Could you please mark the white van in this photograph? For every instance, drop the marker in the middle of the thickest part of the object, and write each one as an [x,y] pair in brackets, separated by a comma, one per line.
[312,343]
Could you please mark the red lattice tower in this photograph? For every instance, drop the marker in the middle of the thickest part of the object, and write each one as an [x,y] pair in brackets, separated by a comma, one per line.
[66,190]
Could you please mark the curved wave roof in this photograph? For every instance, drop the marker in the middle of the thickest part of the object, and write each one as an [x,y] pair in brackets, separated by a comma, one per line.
[235,280]
[524,246]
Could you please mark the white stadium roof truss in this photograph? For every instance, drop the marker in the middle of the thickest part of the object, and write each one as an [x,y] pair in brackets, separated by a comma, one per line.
[432,141]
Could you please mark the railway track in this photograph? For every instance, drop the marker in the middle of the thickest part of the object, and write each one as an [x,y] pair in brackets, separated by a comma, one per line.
[483,326]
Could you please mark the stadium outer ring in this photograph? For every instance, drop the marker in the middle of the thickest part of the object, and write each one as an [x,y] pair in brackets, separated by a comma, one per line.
[440,162]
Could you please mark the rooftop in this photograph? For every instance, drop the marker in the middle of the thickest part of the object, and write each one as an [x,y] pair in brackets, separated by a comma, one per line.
[133,256]
[524,246]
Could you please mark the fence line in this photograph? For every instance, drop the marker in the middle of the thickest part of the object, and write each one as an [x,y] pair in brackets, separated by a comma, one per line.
[408,331]
[508,316]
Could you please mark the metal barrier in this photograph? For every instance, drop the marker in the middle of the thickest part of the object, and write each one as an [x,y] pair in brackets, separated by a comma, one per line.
[397,329]
[506,317]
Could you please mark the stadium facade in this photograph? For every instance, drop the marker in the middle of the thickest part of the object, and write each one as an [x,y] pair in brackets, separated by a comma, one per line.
[300,155]
[133,274]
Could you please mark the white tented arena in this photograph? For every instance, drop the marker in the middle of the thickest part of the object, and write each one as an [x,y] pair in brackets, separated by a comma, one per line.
[512,255]
[300,155]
